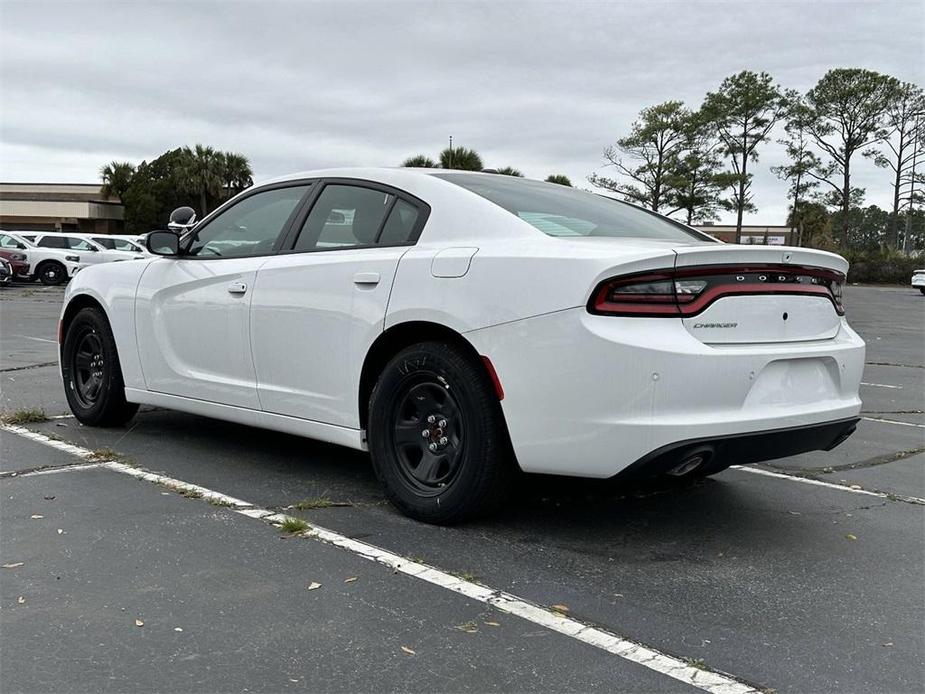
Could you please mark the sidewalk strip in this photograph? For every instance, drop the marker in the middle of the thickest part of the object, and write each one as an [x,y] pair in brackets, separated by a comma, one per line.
[706,680]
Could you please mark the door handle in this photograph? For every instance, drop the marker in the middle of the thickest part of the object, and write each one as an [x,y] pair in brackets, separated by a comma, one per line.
[237,288]
[366,278]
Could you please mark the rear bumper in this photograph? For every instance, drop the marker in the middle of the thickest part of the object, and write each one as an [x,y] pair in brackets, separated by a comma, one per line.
[591,396]
[743,449]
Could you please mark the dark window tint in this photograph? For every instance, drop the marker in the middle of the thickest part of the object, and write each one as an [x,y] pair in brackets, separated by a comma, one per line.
[344,217]
[250,227]
[400,224]
[52,242]
[561,211]
[106,243]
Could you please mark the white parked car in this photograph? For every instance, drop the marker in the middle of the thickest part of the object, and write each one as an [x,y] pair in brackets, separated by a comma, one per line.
[49,265]
[91,251]
[918,280]
[461,325]
[119,242]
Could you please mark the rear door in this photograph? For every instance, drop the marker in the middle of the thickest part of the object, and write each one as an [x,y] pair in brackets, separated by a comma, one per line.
[192,313]
[318,306]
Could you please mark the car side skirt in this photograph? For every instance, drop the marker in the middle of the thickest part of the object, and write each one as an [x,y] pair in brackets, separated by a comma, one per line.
[330,433]
[743,449]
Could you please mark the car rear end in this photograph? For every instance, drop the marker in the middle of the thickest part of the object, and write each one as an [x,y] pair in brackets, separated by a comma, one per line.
[918,280]
[718,354]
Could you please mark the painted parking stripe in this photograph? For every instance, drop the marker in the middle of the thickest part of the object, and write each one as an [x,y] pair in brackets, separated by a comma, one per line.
[706,680]
[880,385]
[893,421]
[829,485]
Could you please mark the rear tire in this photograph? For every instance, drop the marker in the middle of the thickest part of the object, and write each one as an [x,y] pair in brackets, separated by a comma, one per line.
[51,273]
[92,374]
[922,289]
[437,435]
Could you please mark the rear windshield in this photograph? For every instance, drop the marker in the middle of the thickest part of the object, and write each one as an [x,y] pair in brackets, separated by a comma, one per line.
[558,210]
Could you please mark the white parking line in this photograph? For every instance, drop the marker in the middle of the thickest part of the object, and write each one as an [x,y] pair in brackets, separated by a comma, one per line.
[893,421]
[880,385]
[37,339]
[829,485]
[707,680]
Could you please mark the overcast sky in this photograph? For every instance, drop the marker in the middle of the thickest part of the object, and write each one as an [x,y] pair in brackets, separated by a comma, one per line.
[543,87]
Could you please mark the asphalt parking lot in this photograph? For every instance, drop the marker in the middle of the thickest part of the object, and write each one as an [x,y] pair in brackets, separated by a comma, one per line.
[803,575]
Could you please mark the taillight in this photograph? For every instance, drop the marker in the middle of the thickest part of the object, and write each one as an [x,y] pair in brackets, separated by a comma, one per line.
[688,291]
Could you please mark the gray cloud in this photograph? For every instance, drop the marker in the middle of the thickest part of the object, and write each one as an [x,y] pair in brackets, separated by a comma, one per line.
[540,86]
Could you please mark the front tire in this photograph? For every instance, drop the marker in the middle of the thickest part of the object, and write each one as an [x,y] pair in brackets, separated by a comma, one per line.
[92,375]
[51,273]
[437,435]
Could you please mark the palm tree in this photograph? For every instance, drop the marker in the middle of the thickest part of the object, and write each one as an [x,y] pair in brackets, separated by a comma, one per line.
[236,173]
[460,158]
[202,174]
[117,177]
[420,161]
[509,171]
[561,179]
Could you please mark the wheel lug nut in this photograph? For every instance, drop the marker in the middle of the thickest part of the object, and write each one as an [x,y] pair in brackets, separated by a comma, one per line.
[442,424]
[443,440]
[432,447]
[431,419]
[425,434]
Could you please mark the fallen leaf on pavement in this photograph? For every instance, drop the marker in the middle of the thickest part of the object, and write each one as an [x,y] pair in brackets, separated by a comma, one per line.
[177,629]
[35,516]
[21,599]
[314,586]
[407,650]
[139,623]
[60,531]
[351,579]
[491,624]
[560,608]
[14,565]
[849,536]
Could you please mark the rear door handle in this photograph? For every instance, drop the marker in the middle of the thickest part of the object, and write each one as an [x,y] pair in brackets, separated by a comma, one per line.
[366,278]
[237,288]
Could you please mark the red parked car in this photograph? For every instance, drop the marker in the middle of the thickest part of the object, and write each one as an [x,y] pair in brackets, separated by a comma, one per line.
[18,260]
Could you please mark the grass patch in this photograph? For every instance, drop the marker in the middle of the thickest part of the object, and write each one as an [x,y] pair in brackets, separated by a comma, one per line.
[190,493]
[318,502]
[220,502]
[107,455]
[466,576]
[293,525]
[696,663]
[25,415]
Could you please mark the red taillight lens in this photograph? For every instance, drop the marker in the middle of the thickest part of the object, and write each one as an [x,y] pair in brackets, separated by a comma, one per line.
[688,291]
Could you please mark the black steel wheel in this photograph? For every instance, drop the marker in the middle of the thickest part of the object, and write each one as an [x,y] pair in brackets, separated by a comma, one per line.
[92,375]
[437,435]
[51,273]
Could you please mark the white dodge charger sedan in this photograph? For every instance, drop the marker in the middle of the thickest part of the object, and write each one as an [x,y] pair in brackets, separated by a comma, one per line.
[461,326]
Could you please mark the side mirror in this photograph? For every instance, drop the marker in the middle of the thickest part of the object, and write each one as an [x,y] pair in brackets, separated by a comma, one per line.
[163,243]
[182,219]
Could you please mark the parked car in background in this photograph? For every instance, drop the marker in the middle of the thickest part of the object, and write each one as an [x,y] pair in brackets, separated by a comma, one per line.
[6,272]
[94,252]
[49,265]
[17,255]
[458,325]
[918,280]
[120,242]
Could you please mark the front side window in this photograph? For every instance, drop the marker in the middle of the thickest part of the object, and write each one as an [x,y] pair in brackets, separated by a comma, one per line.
[52,242]
[76,244]
[251,227]
[344,216]
[561,211]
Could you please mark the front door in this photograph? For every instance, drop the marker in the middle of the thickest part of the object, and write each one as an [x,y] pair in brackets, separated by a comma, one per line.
[192,312]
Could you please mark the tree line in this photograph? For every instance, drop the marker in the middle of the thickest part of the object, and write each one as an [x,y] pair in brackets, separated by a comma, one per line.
[201,177]
[465,159]
[697,161]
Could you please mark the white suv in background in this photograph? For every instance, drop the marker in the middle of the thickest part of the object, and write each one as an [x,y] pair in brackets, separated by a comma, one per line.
[119,242]
[50,265]
[91,251]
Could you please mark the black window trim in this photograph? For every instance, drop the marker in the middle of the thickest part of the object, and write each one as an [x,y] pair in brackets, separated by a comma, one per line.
[311,183]
[292,236]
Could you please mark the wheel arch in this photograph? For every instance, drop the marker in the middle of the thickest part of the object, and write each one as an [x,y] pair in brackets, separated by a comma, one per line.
[77,303]
[395,339]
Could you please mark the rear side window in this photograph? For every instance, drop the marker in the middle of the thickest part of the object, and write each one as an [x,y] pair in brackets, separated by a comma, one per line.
[561,211]
[400,225]
[344,216]
[106,243]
